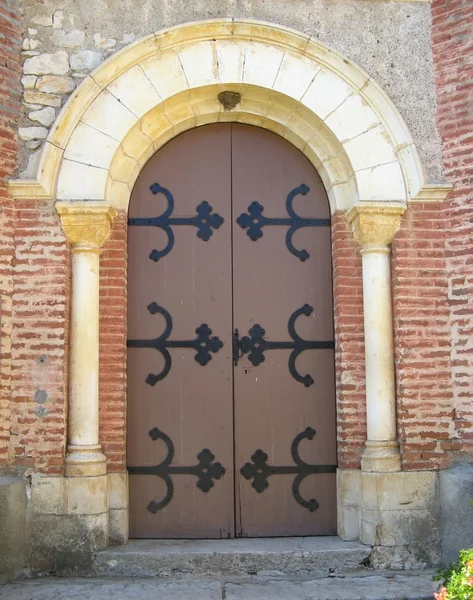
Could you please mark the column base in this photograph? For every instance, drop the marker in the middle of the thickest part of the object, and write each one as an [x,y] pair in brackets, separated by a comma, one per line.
[85,461]
[381,457]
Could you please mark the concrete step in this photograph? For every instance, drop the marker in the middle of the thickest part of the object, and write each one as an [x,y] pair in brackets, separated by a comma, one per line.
[312,556]
[402,585]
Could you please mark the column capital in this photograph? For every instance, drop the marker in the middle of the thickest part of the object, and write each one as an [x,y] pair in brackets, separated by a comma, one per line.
[86,225]
[374,224]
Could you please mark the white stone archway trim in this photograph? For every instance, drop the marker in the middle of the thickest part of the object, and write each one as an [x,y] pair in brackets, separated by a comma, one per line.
[168,82]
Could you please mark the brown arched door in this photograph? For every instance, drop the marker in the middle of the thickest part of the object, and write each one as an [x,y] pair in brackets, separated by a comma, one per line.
[231,401]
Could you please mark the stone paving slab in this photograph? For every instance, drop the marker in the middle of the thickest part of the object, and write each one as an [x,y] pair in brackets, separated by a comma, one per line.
[93,589]
[318,556]
[388,586]
[400,587]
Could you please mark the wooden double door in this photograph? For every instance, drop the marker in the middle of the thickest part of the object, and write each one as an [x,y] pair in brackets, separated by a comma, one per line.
[231,403]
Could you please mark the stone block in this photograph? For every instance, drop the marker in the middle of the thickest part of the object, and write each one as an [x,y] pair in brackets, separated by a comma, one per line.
[64,544]
[384,182]
[48,495]
[91,147]
[85,60]
[118,526]
[295,75]
[199,64]
[56,84]
[118,490]
[261,64]
[135,91]
[370,149]
[87,495]
[33,133]
[68,39]
[230,57]
[108,115]
[348,520]
[47,64]
[326,93]
[349,487]
[45,116]
[33,97]
[456,506]
[166,74]
[341,120]
[12,527]
[406,490]
[92,181]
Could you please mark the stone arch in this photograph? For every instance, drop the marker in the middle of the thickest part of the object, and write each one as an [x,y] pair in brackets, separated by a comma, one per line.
[169,82]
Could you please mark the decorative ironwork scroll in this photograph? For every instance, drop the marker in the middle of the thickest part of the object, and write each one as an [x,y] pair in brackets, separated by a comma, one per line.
[203,344]
[259,470]
[205,470]
[255,345]
[205,221]
[254,221]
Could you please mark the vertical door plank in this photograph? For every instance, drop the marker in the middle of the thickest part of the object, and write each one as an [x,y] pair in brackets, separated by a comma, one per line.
[193,403]
[270,283]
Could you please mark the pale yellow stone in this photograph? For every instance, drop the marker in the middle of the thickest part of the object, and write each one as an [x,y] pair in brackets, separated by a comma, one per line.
[165,73]
[177,36]
[199,62]
[326,92]
[118,520]
[87,495]
[118,490]
[352,117]
[48,495]
[370,149]
[155,123]
[72,112]
[86,224]
[122,166]
[375,223]
[407,158]
[273,35]
[231,56]
[262,64]
[295,75]
[384,182]
[117,194]
[137,142]
[135,91]
[109,116]
[91,147]
[177,112]
[80,182]
[433,193]
[123,60]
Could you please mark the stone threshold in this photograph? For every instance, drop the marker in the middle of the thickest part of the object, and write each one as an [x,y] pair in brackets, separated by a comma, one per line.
[301,556]
[389,585]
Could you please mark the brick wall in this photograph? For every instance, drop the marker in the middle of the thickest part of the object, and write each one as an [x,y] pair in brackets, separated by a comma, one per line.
[39,340]
[422,338]
[452,35]
[349,344]
[10,97]
[112,385]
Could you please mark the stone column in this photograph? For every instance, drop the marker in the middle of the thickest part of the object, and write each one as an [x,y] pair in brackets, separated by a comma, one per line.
[374,225]
[86,226]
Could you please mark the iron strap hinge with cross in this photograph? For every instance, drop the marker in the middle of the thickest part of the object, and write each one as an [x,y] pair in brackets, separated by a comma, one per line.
[255,345]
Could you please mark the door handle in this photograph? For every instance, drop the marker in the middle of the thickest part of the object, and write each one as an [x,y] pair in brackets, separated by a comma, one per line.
[237,347]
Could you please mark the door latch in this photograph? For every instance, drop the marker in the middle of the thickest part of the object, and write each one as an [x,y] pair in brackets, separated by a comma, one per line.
[238,347]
